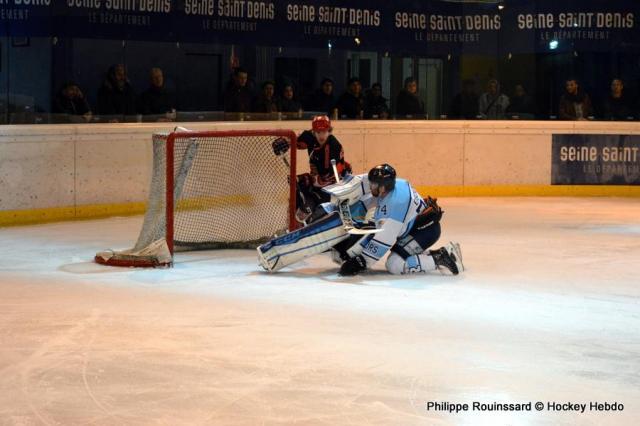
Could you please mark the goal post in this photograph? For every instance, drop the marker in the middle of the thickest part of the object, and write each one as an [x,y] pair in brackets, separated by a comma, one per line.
[214,190]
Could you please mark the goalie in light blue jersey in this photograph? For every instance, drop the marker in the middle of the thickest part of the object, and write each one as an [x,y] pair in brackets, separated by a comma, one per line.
[404,224]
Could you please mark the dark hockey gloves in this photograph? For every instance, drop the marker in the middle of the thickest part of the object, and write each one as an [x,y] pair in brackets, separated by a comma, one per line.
[353,266]
[305,181]
[326,180]
[280,146]
[306,139]
[430,215]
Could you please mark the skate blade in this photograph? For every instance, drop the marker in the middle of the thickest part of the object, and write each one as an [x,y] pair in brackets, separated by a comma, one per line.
[454,248]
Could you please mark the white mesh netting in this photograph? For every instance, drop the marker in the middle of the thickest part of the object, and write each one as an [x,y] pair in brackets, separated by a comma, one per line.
[229,192]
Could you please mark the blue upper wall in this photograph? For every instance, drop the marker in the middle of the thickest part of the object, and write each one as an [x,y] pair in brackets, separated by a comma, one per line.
[405,26]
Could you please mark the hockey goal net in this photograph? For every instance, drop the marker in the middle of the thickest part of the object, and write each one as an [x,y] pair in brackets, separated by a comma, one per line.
[213,190]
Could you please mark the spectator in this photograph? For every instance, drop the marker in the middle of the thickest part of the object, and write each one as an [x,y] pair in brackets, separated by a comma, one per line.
[116,96]
[70,100]
[351,103]
[322,99]
[617,106]
[521,104]
[288,103]
[375,103]
[465,103]
[493,104]
[408,103]
[237,96]
[574,103]
[266,102]
[156,99]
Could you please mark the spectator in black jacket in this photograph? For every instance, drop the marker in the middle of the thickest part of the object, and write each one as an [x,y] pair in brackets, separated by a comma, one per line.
[575,104]
[116,96]
[237,97]
[287,102]
[156,100]
[266,101]
[351,103]
[322,99]
[408,104]
[375,104]
[521,105]
[465,103]
[70,100]
[617,105]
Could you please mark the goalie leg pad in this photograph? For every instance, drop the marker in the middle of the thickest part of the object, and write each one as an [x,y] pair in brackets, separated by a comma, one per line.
[302,243]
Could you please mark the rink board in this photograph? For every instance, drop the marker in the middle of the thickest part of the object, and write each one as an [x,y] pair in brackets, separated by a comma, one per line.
[75,171]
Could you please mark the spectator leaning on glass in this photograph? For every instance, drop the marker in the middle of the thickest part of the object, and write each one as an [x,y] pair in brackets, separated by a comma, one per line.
[574,103]
[322,100]
[237,96]
[616,105]
[375,105]
[156,100]
[408,104]
[465,103]
[266,102]
[493,104]
[70,100]
[116,96]
[287,102]
[521,105]
[351,103]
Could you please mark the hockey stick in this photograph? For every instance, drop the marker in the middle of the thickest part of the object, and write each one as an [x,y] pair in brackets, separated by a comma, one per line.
[335,170]
[304,200]
[279,151]
[284,159]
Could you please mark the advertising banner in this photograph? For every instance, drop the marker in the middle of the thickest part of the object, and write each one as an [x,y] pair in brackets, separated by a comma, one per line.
[424,27]
[595,160]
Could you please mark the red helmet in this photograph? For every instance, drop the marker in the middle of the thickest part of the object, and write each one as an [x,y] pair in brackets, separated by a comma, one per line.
[321,123]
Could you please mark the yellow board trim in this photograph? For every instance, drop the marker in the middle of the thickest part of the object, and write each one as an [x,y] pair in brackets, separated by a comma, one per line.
[95,211]
[58,214]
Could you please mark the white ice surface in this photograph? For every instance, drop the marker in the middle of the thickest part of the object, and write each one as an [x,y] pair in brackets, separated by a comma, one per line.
[548,310]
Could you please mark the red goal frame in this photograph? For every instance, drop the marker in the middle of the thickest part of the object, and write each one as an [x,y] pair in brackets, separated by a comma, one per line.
[289,134]
[129,260]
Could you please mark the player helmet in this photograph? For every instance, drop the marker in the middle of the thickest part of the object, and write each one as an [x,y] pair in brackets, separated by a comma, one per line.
[321,123]
[384,175]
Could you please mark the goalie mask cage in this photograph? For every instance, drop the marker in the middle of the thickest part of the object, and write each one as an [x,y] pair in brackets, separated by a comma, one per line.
[213,190]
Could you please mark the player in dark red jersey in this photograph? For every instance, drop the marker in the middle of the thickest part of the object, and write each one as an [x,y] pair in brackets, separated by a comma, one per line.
[322,147]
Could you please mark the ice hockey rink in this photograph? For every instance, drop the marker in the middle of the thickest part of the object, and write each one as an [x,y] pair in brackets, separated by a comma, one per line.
[547,310]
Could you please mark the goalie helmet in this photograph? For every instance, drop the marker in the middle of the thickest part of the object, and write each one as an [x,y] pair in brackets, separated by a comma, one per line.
[384,175]
[321,123]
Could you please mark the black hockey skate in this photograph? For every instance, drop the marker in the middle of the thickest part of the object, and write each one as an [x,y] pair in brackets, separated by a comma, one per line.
[449,257]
